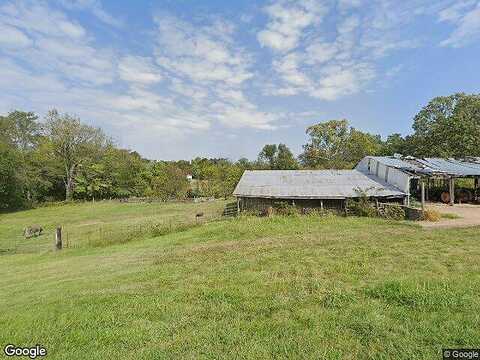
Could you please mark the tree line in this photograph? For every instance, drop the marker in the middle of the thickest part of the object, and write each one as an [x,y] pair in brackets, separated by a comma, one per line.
[62,158]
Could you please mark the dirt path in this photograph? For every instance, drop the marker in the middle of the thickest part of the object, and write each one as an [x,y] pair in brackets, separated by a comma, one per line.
[469,215]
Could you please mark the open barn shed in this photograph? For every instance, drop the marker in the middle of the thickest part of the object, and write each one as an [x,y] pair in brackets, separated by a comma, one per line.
[428,179]
[259,189]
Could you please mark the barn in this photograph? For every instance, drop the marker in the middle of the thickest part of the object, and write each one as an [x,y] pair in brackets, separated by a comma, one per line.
[259,189]
[383,178]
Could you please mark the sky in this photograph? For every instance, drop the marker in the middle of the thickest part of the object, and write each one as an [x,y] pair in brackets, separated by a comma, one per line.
[184,78]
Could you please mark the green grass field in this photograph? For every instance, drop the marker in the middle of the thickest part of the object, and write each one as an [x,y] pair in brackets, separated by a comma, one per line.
[98,224]
[252,288]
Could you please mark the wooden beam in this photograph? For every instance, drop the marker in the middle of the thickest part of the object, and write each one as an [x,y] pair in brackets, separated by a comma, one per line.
[427,191]
[451,190]
[423,194]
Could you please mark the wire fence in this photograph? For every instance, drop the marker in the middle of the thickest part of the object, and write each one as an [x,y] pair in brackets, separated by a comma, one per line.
[102,234]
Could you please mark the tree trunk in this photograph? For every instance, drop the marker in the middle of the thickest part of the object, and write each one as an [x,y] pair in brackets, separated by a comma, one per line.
[69,184]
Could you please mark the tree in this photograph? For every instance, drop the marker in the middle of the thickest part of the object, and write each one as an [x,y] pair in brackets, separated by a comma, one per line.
[361,144]
[448,126]
[277,157]
[268,155]
[395,144]
[23,129]
[327,145]
[74,145]
[168,181]
[10,184]
[285,160]
[335,145]
[22,132]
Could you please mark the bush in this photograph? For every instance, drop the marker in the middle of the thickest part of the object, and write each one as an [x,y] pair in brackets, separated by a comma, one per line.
[361,207]
[284,208]
[392,212]
[431,215]
[317,212]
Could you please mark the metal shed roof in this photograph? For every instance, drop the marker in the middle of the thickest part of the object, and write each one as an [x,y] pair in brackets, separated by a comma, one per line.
[432,166]
[411,165]
[453,167]
[312,184]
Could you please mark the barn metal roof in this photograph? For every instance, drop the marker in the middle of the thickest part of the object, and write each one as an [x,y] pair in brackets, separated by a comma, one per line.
[453,167]
[409,164]
[432,166]
[312,184]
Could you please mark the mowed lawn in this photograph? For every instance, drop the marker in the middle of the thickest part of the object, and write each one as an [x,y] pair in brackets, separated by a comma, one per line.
[252,288]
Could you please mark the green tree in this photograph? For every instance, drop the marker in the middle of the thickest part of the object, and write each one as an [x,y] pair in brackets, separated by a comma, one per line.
[11,196]
[361,144]
[335,145]
[22,132]
[168,181]
[395,144]
[267,155]
[276,157]
[448,126]
[74,145]
[285,160]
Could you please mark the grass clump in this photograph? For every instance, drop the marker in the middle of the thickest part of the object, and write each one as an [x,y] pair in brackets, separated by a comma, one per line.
[425,296]
[431,215]
[450,216]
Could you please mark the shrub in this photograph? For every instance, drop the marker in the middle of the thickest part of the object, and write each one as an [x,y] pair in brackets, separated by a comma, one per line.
[361,207]
[318,212]
[392,212]
[284,208]
[431,215]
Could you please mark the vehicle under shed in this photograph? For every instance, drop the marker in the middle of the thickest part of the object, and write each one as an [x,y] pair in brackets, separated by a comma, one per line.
[429,179]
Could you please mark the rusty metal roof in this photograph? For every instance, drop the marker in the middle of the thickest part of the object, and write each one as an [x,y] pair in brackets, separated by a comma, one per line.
[312,184]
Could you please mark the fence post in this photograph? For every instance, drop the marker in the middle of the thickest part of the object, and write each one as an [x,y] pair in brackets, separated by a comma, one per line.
[423,194]
[58,238]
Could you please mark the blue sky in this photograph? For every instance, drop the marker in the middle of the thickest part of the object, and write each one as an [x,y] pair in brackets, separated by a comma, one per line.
[179,79]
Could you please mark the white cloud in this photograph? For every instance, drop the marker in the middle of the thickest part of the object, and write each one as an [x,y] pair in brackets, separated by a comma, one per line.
[200,53]
[205,65]
[327,63]
[95,6]
[287,21]
[52,41]
[465,15]
[137,69]
[39,19]
[13,38]
[456,11]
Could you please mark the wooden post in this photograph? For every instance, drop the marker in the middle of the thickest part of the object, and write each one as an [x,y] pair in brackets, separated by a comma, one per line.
[58,238]
[427,191]
[452,191]
[238,206]
[423,195]
[321,205]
